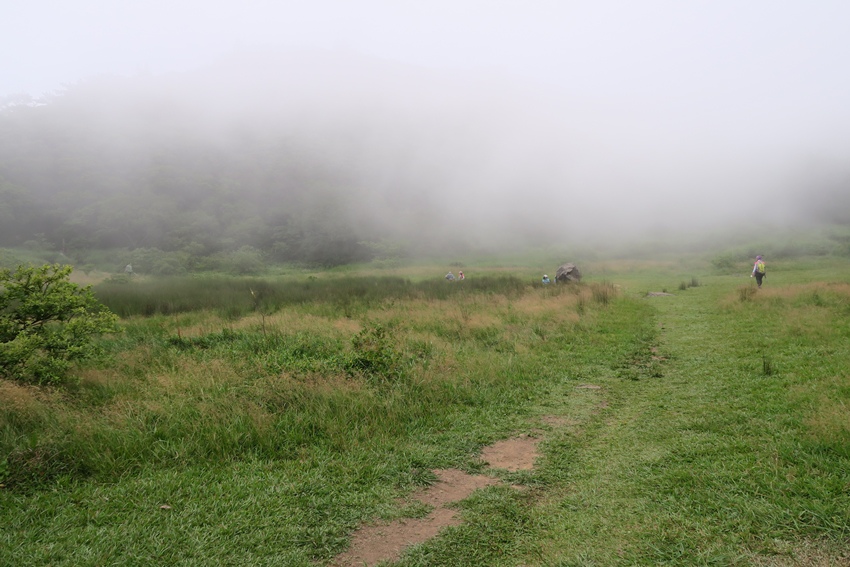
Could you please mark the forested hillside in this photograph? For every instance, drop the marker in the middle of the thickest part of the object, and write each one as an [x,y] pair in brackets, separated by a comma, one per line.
[232,157]
[328,159]
[138,174]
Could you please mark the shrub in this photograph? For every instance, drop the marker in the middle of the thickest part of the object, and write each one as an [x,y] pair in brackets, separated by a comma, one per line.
[46,322]
[158,262]
[374,353]
[246,260]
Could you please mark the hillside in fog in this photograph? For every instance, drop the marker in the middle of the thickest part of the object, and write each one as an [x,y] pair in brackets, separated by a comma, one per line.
[326,157]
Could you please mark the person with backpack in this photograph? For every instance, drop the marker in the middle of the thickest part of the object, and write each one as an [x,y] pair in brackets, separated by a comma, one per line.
[758,270]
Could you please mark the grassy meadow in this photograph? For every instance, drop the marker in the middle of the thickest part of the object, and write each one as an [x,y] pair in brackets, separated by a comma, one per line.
[260,421]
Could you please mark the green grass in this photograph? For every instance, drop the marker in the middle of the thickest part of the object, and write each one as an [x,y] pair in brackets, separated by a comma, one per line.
[715,433]
[713,462]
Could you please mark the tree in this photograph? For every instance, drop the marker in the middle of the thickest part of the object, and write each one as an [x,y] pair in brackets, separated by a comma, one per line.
[46,323]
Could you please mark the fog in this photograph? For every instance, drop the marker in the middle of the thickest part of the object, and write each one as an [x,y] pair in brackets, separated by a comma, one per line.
[482,122]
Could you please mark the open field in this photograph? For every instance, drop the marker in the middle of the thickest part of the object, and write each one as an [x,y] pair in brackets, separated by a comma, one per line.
[705,425]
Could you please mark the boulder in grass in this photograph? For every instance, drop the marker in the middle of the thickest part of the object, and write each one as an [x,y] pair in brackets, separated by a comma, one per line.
[568,273]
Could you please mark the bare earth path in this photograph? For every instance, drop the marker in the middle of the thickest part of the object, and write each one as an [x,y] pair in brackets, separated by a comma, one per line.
[372,544]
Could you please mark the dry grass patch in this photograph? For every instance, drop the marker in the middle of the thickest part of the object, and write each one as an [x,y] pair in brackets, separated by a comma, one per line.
[828,416]
[21,398]
[420,313]
[98,377]
[337,382]
[471,313]
[793,292]
[285,320]
[196,376]
[809,321]
[481,321]
[346,326]
[803,554]
[290,321]
[786,294]
[141,359]
[547,306]
[831,421]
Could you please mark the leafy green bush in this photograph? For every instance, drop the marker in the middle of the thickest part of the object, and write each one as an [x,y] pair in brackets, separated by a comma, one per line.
[46,322]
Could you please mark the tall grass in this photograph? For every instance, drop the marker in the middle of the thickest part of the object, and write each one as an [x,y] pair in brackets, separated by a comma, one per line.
[240,296]
[187,388]
[603,292]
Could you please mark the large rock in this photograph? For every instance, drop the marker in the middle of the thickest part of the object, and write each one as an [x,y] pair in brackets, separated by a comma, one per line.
[568,273]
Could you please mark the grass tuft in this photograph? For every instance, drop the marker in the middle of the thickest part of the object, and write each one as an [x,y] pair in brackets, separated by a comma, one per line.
[767,366]
[603,292]
[746,293]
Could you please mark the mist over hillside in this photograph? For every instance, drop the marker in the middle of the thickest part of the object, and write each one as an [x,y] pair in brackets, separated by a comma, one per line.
[328,156]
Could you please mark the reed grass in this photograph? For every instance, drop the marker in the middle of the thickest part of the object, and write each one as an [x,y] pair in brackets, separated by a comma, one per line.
[236,297]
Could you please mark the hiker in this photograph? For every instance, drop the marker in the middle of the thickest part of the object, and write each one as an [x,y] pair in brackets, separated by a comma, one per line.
[450,277]
[460,276]
[758,270]
[545,279]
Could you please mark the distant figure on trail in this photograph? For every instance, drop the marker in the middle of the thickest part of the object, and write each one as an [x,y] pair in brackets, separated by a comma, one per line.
[128,269]
[545,279]
[450,277]
[758,270]
[460,276]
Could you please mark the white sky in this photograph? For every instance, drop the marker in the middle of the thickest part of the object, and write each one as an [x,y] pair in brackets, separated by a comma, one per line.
[791,49]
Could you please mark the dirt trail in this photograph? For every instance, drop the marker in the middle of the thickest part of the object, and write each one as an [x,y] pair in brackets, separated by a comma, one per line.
[382,542]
